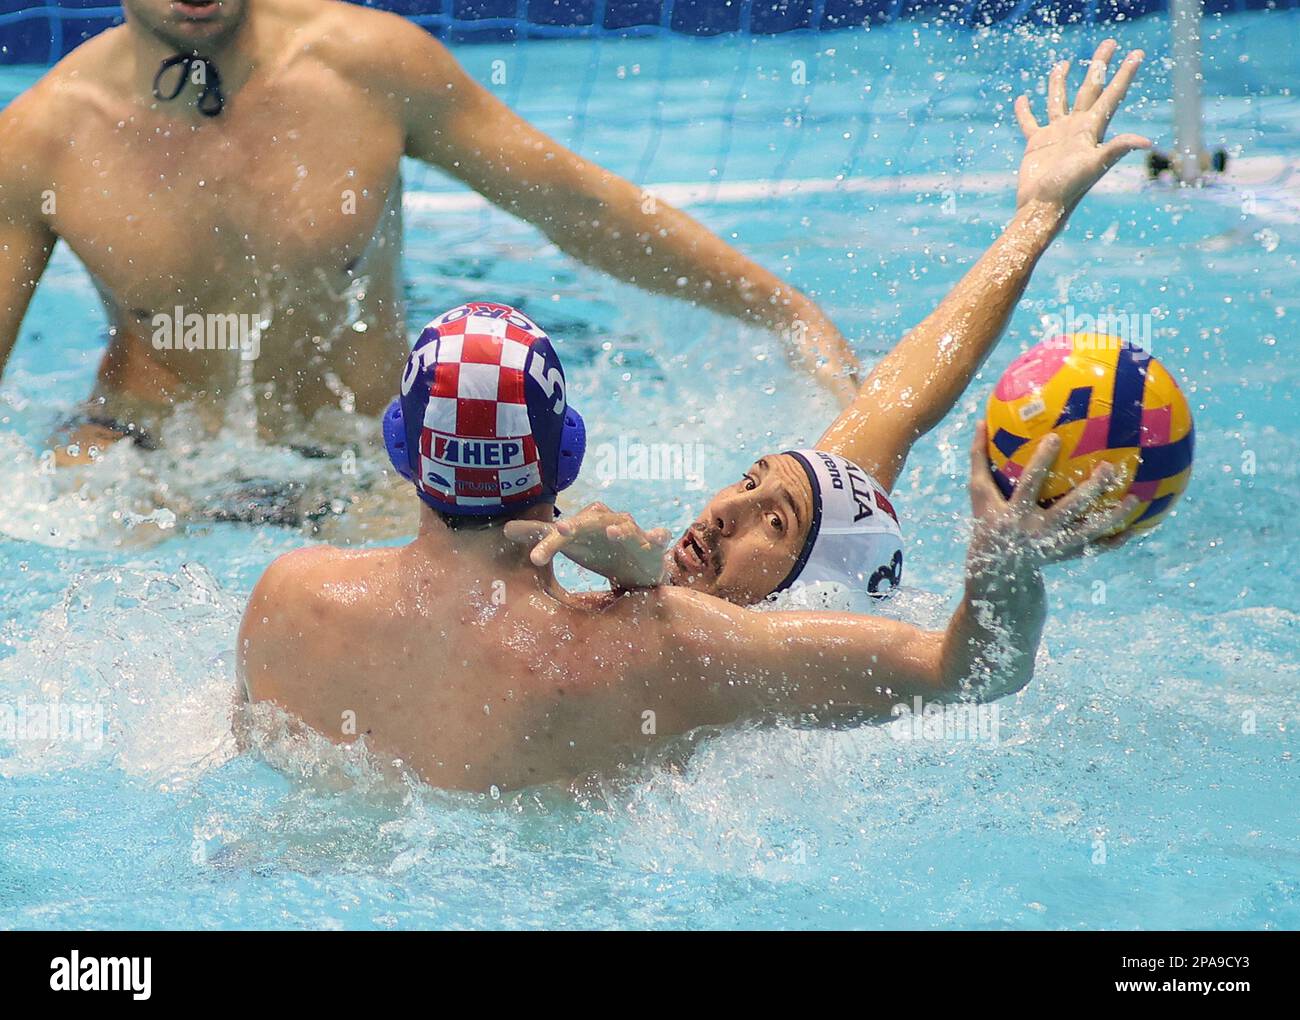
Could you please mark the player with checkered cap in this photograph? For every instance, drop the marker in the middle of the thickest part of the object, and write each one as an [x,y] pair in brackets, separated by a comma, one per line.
[462,655]
[482,425]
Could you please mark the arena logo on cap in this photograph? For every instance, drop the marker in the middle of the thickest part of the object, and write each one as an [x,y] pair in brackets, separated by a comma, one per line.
[458,451]
[859,484]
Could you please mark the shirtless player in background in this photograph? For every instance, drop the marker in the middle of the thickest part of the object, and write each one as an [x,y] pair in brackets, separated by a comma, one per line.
[273,190]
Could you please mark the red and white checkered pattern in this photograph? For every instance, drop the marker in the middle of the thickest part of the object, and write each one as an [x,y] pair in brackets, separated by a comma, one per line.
[478,394]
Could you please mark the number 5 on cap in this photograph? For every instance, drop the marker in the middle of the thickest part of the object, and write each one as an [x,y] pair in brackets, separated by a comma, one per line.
[549,379]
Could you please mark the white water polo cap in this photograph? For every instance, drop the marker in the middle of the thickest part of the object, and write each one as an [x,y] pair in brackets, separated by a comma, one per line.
[854,539]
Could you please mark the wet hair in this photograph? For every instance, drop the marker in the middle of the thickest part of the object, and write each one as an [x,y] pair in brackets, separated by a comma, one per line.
[459,522]
[465,522]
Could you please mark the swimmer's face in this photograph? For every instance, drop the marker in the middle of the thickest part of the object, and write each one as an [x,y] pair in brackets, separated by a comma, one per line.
[750,535]
[201,25]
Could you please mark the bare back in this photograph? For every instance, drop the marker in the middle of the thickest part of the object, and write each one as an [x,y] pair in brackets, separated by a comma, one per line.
[475,668]
[473,674]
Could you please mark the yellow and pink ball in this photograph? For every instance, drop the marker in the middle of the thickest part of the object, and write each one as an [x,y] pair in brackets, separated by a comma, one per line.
[1108,401]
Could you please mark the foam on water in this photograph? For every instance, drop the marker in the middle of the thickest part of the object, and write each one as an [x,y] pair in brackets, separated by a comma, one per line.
[758,826]
[150,654]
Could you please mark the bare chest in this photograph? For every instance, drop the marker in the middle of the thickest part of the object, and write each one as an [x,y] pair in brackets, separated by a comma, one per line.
[164,209]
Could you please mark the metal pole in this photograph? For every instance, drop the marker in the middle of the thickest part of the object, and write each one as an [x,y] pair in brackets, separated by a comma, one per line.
[1188,146]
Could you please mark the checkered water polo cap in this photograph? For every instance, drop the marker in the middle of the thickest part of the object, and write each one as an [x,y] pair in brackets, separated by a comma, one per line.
[482,425]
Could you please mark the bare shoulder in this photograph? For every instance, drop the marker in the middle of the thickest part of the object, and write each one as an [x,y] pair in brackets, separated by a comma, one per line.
[35,124]
[680,623]
[684,607]
[303,598]
[294,593]
[25,145]
[284,589]
[375,47]
[31,122]
[310,578]
[687,656]
[299,565]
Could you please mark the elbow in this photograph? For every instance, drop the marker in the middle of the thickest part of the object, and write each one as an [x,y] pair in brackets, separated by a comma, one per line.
[990,679]
[980,670]
[948,672]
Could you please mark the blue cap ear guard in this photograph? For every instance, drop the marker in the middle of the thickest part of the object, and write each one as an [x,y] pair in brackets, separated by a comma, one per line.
[395,440]
[573,445]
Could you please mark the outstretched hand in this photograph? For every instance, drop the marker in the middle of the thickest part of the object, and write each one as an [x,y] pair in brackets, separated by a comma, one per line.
[602,540]
[1019,532]
[1068,155]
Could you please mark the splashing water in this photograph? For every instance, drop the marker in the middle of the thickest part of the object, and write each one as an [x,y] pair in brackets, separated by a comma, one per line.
[1141,780]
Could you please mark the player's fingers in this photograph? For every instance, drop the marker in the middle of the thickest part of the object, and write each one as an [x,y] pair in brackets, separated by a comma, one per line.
[659,536]
[1116,90]
[1120,146]
[545,539]
[1114,541]
[1029,486]
[982,487]
[1056,90]
[1073,535]
[526,532]
[1081,498]
[1095,78]
[1025,116]
[619,532]
[979,459]
[1102,522]
[978,443]
[545,550]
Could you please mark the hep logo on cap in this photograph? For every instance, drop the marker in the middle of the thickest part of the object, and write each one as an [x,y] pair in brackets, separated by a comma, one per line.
[482,425]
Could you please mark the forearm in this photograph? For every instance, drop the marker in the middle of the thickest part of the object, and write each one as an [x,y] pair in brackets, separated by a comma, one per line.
[915,385]
[23,256]
[14,299]
[939,358]
[642,240]
[26,238]
[602,219]
[8,334]
[990,644]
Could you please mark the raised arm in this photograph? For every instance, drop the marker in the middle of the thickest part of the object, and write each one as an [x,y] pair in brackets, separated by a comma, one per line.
[729,663]
[26,239]
[597,216]
[918,382]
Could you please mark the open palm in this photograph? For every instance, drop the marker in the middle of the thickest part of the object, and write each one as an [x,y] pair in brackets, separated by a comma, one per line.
[1068,155]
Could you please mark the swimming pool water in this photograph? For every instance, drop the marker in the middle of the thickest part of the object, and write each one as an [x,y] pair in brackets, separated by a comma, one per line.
[1146,778]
